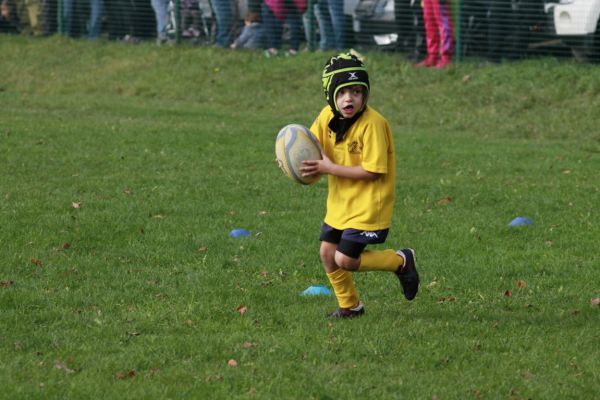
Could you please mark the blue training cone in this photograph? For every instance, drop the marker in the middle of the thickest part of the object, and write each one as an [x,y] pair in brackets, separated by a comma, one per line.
[317,290]
[521,221]
[239,233]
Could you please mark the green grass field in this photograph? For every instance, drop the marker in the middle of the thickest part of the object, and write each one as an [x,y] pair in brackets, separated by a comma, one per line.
[124,168]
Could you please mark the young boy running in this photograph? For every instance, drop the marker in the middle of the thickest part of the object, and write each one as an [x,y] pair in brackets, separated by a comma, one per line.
[358,157]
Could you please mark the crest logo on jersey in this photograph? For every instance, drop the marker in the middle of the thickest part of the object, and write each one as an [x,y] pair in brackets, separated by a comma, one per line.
[354,147]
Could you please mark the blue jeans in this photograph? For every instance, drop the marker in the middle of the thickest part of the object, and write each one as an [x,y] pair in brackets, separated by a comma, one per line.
[327,40]
[321,14]
[273,28]
[95,23]
[336,9]
[224,15]
[294,21]
[160,12]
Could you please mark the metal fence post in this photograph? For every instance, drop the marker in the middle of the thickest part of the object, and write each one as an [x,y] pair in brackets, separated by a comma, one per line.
[458,50]
[311,25]
[177,21]
[59,17]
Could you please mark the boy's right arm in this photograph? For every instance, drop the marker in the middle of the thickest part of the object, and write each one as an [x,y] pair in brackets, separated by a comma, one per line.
[327,167]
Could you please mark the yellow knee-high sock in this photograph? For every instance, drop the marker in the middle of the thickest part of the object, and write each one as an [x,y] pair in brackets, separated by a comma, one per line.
[343,286]
[382,260]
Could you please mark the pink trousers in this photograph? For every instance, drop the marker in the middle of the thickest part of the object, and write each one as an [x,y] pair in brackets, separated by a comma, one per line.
[438,29]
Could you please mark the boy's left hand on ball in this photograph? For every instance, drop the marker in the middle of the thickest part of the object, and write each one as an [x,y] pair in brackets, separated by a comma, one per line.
[314,167]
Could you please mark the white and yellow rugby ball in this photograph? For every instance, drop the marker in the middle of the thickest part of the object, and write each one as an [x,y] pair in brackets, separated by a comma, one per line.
[294,144]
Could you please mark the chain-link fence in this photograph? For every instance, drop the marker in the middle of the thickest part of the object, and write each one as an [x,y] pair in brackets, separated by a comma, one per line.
[492,30]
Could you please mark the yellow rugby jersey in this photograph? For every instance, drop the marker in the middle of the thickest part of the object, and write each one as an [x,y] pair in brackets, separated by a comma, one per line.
[360,204]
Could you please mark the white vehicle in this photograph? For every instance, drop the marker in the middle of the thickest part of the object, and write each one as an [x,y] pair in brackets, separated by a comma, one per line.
[576,22]
[509,29]
[388,24]
[372,20]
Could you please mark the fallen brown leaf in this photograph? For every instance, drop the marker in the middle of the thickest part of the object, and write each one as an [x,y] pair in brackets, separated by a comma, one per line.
[232,363]
[211,378]
[62,366]
[66,246]
[126,374]
[134,270]
[242,309]
[76,204]
[521,284]
[595,301]
[36,261]
[448,299]
[248,345]
[202,249]
[507,293]
[445,201]
[6,284]
[528,375]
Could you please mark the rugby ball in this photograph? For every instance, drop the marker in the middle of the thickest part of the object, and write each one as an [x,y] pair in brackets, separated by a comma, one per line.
[294,144]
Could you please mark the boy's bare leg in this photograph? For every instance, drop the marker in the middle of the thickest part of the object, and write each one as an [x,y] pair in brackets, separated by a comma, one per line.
[340,279]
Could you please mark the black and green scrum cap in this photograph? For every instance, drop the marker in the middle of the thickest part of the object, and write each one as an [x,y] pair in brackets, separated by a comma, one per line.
[343,70]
